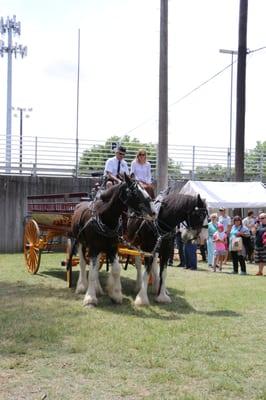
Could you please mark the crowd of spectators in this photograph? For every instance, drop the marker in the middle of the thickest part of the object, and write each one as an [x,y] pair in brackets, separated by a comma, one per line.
[237,240]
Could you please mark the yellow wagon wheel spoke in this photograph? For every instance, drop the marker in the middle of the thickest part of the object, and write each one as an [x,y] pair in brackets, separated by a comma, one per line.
[32,251]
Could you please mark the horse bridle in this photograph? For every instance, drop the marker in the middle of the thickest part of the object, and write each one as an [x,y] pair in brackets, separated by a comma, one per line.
[200,211]
[133,189]
[169,231]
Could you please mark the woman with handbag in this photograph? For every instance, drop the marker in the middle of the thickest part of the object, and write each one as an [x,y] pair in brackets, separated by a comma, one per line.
[236,245]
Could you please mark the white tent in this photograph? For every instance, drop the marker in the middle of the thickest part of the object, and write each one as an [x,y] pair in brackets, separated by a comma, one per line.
[228,194]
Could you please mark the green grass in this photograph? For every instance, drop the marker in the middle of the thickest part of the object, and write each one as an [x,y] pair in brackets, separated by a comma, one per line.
[208,344]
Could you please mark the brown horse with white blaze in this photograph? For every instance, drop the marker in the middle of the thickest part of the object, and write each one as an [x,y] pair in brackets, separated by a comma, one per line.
[155,237]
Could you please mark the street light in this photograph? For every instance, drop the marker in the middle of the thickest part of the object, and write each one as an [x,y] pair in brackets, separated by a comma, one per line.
[21,111]
[232,52]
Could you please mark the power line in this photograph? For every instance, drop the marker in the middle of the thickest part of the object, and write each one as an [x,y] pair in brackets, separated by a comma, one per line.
[194,90]
[259,49]
[202,84]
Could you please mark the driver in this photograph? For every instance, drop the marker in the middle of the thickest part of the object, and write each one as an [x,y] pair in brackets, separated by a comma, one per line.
[116,165]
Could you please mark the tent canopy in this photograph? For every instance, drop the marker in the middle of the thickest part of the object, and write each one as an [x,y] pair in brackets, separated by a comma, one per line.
[228,194]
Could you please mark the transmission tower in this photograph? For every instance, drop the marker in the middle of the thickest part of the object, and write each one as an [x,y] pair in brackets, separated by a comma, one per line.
[10,26]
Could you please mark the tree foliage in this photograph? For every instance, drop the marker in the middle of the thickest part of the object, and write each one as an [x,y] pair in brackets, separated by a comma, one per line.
[93,159]
[255,167]
[255,162]
[211,173]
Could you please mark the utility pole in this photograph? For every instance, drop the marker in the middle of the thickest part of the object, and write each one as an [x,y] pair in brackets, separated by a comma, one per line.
[232,53]
[241,91]
[77,115]
[162,157]
[10,26]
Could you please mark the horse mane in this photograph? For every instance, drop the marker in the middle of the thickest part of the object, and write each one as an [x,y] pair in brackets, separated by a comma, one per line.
[106,198]
[177,201]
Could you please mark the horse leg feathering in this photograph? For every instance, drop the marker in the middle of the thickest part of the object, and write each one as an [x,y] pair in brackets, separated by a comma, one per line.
[90,296]
[82,284]
[138,265]
[99,289]
[114,283]
[155,275]
[142,296]
[163,293]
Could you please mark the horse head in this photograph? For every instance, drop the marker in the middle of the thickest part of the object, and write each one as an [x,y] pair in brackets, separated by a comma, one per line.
[199,214]
[197,220]
[136,198]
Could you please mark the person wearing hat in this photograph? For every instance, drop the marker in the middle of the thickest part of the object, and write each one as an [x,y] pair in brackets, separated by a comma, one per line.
[116,165]
[225,220]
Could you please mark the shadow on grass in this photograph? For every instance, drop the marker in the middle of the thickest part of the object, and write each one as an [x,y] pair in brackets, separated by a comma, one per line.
[179,306]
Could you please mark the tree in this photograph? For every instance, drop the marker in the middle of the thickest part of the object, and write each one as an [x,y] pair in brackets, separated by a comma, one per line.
[93,159]
[211,173]
[255,162]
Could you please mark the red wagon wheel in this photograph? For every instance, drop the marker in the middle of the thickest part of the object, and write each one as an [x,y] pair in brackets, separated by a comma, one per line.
[32,250]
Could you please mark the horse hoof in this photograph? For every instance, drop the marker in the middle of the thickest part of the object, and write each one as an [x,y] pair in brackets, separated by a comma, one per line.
[116,300]
[163,299]
[90,301]
[139,302]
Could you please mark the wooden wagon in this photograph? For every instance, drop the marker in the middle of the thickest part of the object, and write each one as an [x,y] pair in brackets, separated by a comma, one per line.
[49,218]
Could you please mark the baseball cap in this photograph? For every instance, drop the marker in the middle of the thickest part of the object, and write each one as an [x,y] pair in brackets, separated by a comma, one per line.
[121,149]
[221,209]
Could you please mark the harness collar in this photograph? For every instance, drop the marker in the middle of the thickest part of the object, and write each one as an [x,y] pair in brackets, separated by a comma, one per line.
[104,229]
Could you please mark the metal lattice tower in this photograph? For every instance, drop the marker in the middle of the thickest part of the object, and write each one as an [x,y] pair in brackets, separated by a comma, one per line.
[10,26]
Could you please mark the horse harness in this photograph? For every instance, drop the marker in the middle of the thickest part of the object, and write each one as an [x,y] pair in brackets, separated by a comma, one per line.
[95,219]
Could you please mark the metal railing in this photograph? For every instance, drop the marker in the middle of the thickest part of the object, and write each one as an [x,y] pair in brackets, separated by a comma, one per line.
[43,156]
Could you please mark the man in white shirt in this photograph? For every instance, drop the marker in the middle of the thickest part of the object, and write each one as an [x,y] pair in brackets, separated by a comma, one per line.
[250,221]
[225,220]
[116,165]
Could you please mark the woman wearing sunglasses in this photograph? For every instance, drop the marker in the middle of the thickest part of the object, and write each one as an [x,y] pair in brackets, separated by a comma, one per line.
[141,169]
[260,244]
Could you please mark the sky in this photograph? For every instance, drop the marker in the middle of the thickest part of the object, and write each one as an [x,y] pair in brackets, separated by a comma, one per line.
[119,69]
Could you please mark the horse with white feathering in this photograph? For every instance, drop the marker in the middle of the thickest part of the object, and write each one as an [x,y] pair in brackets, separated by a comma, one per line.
[155,237]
